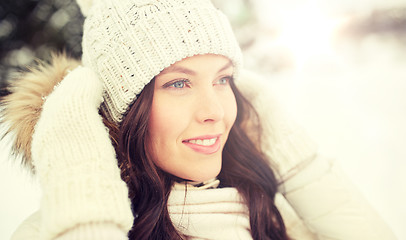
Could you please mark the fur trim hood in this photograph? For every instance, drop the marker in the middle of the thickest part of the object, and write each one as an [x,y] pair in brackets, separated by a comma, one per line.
[21,109]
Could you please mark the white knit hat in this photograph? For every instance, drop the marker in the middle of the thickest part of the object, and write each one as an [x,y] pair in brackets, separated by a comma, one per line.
[128,42]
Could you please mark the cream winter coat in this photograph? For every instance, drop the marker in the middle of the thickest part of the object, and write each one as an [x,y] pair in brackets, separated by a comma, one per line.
[316,200]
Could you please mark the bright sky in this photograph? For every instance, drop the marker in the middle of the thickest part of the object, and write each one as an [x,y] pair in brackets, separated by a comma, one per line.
[306,27]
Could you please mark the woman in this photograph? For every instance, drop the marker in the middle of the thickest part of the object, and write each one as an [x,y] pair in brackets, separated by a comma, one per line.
[190,110]
[191,149]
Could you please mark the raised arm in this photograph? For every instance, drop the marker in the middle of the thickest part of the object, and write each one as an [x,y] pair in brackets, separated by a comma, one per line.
[83,194]
[316,188]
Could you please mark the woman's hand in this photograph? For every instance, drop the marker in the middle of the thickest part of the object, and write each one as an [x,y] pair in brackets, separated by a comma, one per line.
[75,161]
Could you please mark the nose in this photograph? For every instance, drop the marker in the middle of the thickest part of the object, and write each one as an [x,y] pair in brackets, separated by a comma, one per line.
[209,108]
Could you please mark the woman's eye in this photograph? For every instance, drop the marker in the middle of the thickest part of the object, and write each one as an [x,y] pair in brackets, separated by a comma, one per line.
[223,81]
[178,84]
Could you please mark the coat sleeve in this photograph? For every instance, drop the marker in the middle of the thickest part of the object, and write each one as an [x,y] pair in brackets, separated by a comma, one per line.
[52,113]
[331,206]
[30,230]
[76,165]
[317,190]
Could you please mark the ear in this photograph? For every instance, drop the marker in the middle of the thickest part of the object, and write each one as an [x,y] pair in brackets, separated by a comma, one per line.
[21,109]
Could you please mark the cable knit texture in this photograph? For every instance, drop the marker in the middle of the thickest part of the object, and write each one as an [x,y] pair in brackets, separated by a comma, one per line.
[99,231]
[128,44]
[75,160]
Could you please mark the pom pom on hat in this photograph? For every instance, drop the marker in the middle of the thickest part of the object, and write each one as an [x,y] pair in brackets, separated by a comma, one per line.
[128,42]
[85,6]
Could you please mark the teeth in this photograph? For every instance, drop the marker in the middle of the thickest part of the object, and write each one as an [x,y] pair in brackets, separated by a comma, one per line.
[204,142]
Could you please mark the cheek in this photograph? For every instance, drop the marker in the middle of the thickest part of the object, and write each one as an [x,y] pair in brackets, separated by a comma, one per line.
[161,122]
[165,125]
[158,131]
[230,107]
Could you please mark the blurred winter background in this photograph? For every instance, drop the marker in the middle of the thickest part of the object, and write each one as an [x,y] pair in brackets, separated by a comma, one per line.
[339,67]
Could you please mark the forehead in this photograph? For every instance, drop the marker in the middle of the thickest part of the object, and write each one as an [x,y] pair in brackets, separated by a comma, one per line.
[200,62]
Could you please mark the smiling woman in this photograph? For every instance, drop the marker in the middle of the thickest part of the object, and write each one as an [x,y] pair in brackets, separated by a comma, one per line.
[202,150]
[188,111]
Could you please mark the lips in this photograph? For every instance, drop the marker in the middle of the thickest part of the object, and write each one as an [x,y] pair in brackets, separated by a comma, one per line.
[204,144]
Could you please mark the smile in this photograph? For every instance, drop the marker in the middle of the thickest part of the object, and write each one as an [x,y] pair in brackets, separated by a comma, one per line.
[203,142]
[205,145]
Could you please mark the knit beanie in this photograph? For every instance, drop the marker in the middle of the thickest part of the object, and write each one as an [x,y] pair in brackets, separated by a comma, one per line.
[128,42]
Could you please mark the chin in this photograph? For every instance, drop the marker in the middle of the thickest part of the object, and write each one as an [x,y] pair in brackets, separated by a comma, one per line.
[206,175]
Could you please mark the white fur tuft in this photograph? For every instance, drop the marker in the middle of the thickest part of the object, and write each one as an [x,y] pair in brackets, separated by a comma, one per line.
[85,6]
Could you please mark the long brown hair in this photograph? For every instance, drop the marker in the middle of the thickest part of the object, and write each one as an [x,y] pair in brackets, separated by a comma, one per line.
[244,167]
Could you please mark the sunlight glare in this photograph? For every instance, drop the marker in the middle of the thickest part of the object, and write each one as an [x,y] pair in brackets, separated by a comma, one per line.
[306,32]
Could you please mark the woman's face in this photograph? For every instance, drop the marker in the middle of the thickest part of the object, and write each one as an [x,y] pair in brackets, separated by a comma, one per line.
[192,112]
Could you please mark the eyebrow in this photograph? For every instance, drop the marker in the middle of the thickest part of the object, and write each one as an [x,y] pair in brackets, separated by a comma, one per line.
[180,69]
